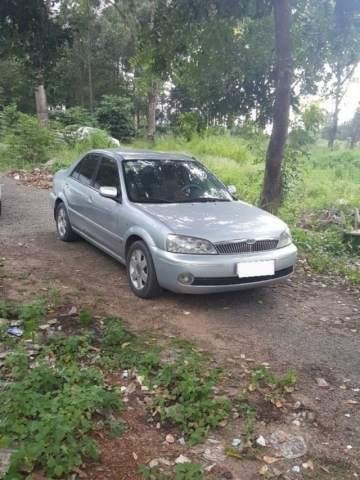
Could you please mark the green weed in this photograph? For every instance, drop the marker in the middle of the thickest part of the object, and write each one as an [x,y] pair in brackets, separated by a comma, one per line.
[185,471]
[183,387]
[47,411]
[85,318]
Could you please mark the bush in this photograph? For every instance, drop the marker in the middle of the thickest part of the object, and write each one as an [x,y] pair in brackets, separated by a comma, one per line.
[28,141]
[74,116]
[8,119]
[114,114]
[190,124]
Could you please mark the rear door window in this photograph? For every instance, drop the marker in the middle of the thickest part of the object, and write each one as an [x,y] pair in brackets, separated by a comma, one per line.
[85,170]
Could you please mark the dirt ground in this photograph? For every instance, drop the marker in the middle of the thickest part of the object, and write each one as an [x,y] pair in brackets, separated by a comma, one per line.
[309,323]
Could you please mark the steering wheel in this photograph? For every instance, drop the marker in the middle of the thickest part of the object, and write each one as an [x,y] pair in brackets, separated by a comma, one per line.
[187,189]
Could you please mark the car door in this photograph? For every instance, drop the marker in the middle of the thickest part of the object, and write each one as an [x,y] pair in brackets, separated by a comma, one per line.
[78,191]
[106,212]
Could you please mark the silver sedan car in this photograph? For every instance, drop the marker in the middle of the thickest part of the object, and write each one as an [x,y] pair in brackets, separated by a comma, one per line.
[171,222]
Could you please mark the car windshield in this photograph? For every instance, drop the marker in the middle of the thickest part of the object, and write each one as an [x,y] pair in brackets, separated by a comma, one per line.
[172,181]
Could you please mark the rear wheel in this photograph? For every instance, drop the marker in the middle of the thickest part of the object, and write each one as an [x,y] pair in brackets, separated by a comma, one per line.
[141,271]
[63,226]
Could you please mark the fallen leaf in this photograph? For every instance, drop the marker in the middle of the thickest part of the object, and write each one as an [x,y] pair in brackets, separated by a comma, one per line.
[270,460]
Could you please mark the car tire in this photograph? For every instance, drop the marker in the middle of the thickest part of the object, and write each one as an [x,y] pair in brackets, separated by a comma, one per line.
[141,271]
[63,225]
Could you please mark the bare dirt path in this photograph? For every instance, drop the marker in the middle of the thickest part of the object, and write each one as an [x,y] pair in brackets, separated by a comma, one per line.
[309,323]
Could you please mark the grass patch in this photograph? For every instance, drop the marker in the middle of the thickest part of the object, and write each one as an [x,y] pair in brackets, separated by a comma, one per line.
[185,471]
[51,405]
[48,411]
[183,387]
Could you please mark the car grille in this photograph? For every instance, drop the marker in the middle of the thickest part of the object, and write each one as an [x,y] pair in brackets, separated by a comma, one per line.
[232,248]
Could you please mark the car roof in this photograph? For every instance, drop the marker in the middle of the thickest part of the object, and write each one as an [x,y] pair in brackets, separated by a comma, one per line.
[135,154]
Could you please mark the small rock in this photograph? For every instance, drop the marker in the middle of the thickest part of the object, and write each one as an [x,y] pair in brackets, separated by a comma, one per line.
[264,470]
[3,355]
[44,326]
[296,469]
[53,321]
[154,463]
[182,441]
[261,441]
[170,438]
[322,383]
[182,459]
[288,445]
[72,311]
[135,456]
[236,442]
[159,461]
[308,465]
[15,331]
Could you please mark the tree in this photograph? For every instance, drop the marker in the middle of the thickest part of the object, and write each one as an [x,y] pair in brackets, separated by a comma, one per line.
[29,31]
[344,54]
[355,128]
[272,187]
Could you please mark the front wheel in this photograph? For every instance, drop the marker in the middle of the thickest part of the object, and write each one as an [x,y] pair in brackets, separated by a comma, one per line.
[141,271]
[63,226]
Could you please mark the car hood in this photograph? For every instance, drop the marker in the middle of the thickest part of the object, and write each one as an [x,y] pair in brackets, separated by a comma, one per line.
[218,221]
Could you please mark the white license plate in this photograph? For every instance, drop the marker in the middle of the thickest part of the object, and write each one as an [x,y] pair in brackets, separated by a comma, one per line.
[255,269]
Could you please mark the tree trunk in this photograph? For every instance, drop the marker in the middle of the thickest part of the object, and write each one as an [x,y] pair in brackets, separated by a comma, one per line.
[151,114]
[335,119]
[272,188]
[41,101]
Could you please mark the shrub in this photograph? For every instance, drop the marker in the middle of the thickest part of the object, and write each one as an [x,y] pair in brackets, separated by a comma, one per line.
[190,124]
[114,114]
[28,141]
[74,116]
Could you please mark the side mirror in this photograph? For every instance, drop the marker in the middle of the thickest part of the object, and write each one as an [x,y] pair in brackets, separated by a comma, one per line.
[232,189]
[109,192]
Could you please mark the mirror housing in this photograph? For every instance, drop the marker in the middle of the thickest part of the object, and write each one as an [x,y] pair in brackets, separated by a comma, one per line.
[109,192]
[232,189]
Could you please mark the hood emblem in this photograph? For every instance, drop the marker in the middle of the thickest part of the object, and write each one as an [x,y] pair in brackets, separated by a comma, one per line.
[251,241]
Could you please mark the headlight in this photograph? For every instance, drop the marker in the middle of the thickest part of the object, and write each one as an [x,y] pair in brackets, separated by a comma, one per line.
[285,239]
[191,245]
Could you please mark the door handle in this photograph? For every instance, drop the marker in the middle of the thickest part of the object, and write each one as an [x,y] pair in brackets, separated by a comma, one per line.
[89,199]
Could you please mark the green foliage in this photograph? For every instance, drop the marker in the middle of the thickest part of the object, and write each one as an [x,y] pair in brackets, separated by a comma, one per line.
[184,387]
[114,114]
[27,141]
[185,471]
[281,383]
[74,116]
[185,395]
[47,411]
[85,318]
[248,412]
[190,124]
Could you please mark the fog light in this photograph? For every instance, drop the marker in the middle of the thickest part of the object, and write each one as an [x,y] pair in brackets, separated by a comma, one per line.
[186,278]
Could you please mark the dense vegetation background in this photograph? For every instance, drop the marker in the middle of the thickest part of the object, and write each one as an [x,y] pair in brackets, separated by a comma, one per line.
[228,81]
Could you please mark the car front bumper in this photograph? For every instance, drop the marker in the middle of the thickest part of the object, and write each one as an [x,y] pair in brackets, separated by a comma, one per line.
[217,273]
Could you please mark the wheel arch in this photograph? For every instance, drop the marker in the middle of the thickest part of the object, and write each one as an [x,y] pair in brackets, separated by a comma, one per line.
[138,234]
